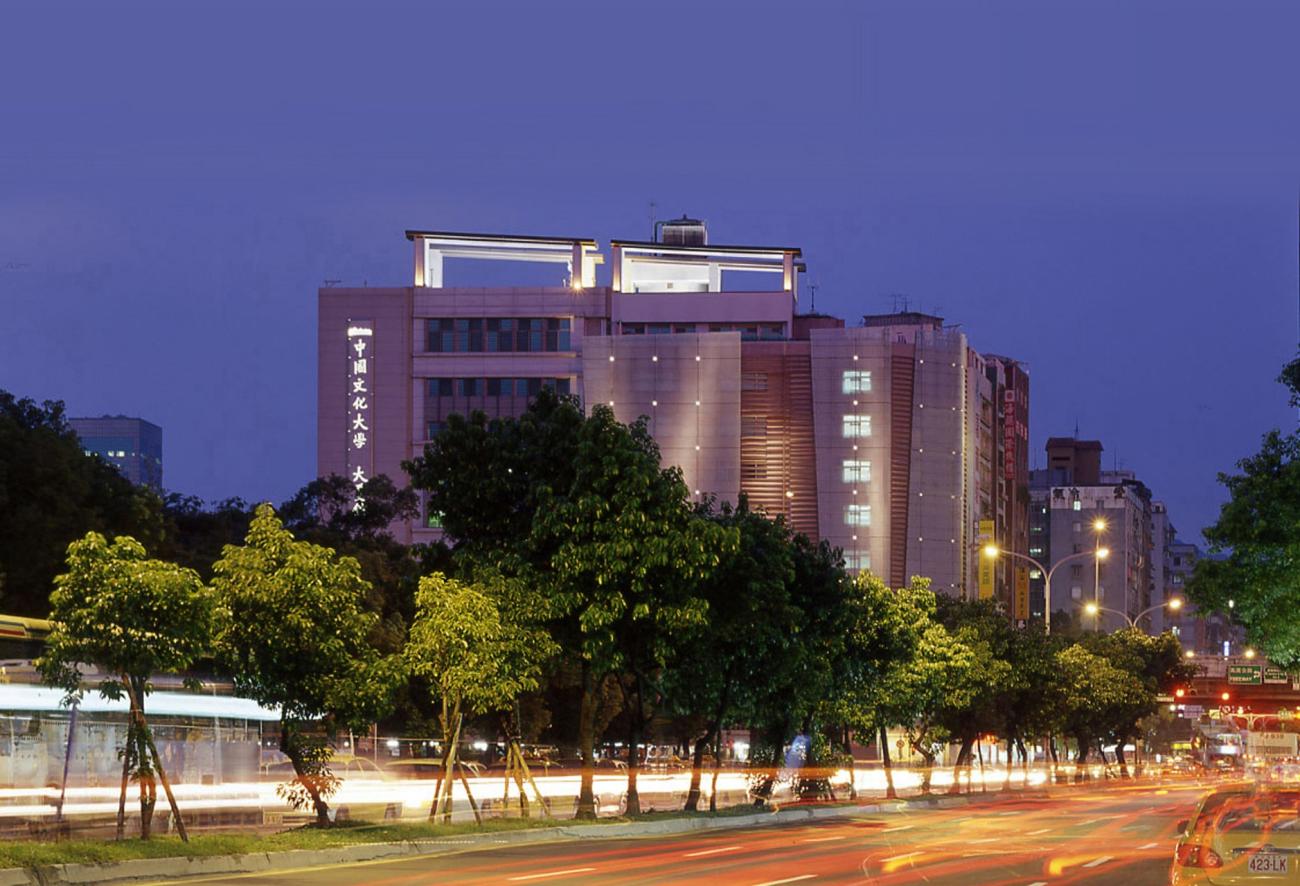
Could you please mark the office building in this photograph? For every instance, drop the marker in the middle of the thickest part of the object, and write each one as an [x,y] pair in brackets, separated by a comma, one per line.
[862,435]
[1077,508]
[132,445]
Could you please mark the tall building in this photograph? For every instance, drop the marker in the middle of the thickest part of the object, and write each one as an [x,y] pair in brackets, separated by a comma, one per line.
[1077,507]
[133,445]
[861,435]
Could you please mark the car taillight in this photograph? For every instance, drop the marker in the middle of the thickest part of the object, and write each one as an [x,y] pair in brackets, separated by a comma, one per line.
[1193,855]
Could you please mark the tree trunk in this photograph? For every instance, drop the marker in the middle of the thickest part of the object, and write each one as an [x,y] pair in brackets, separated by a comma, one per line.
[144,765]
[890,792]
[586,744]
[633,808]
[963,759]
[289,747]
[697,770]
[128,752]
[848,752]
[717,769]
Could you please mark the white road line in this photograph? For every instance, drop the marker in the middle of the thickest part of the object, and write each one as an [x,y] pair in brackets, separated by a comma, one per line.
[1037,832]
[1084,824]
[1038,883]
[901,827]
[985,840]
[786,880]
[1015,812]
[899,857]
[1148,845]
[551,874]
[820,840]
[711,851]
[1098,861]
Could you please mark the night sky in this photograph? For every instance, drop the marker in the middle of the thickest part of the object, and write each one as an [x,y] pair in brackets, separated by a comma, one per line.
[1107,191]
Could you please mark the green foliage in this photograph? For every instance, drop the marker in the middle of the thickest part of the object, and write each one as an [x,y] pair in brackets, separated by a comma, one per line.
[293,631]
[1259,532]
[52,493]
[473,655]
[125,614]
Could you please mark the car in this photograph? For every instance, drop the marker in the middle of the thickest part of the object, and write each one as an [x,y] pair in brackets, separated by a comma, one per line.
[1240,834]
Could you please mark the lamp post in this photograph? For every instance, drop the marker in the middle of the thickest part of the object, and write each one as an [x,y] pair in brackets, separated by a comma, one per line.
[1174,605]
[992,551]
[1098,526]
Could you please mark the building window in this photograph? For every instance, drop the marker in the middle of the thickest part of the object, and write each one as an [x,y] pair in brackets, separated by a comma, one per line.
[753,381]
[857,381]
[434,429]
[753,470]
[469,387]
[440,387]
[1078,527]
[753,426]
[1178,579]
[858,560]
[856,471]
[1036,552]
[857,426]
[1076,571]
[1076,592]
[1078,505]
[857,515]
[474,335]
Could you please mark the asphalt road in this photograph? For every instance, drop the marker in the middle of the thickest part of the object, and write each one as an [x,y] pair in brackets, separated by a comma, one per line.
[1120,835]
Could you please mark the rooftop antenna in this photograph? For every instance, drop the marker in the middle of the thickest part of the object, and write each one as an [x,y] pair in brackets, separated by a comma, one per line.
[1076,429]
[812,297]
[330,284]
[654,229]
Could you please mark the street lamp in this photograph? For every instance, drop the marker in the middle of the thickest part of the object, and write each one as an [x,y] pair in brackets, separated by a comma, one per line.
[1098,526]
[1175,604]
[992,551]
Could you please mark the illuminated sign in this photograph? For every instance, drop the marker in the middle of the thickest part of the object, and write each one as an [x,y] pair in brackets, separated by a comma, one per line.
[360,406]
[985,569]
[1020,595]
[1245,675]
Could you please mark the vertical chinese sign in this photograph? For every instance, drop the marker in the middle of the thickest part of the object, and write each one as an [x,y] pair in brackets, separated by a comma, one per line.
[360,439]
[985,569]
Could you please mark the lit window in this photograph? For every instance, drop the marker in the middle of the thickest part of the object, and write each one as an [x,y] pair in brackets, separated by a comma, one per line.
[857,381]
[1037,552]
[1076,592]
[753,426]
[857,426]
[1078,505]
[857,515]
[859,561]
[753,381]
[857,471]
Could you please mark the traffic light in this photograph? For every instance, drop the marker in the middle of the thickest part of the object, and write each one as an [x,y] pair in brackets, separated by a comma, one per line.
[1226,696]
[1180,692]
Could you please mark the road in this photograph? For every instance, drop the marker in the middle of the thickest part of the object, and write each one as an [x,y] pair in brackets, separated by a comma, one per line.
[1120,835]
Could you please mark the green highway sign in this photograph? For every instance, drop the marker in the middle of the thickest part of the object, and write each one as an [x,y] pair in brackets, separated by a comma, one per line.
[1245,675]
[1275,675]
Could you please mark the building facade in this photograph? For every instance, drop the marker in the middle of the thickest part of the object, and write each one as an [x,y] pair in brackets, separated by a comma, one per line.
[866,436]
[132,445]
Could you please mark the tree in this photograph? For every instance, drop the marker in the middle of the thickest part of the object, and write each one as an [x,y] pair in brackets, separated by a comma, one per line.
[478,656]
[52,493]
[719,670]
[130,617]
[579,507]
[292,629]
[1098,697]
[943,675]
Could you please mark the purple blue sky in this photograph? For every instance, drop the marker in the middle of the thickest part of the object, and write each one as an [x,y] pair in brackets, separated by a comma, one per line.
[1105,190]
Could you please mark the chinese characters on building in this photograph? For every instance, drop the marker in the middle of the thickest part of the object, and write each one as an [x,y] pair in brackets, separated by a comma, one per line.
[360,440]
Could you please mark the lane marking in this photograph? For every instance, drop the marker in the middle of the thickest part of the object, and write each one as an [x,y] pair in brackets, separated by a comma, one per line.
[819,840]
[1037,832]
[1098,861]
[786,880]
[1148,845]
[901,827]
[1015,812]
[985,840]
[551,874]
[1038,883]
[711,851]
[893,858]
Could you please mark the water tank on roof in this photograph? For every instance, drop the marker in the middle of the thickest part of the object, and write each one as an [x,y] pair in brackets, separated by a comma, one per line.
[683,232]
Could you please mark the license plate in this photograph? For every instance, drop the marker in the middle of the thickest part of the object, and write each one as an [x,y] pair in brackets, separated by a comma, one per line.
[1267,863]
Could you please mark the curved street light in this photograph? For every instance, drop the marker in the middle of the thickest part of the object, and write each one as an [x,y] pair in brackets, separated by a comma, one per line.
[1174,605]
[992,551]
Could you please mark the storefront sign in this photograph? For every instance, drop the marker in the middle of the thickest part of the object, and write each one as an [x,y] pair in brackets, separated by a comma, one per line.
[360,406]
